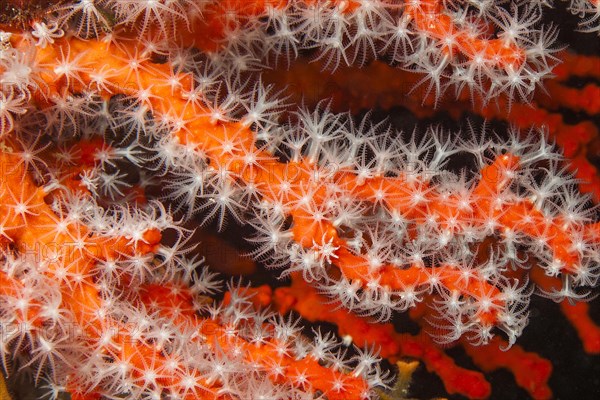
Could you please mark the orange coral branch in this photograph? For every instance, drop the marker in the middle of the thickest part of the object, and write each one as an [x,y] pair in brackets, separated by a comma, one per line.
[531,371]
[227,145]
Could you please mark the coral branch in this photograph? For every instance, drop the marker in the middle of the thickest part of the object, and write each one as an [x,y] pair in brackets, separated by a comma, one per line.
[127,125]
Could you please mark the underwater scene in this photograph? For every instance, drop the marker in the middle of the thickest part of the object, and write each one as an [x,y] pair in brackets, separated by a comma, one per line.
[299,199]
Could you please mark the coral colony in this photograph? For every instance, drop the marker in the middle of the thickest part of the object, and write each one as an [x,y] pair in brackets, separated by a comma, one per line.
[126,124]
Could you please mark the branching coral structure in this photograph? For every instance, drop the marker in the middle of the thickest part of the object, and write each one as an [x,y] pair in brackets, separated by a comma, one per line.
[124,124]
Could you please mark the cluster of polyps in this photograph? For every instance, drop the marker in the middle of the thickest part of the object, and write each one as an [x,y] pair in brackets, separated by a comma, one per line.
[375,218]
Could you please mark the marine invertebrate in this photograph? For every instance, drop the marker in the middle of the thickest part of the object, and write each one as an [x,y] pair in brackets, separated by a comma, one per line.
[375,218]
